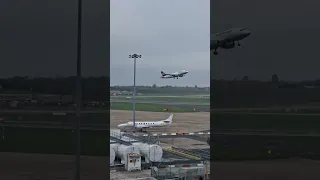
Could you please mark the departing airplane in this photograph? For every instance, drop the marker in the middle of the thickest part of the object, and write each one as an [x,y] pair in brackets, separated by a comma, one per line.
[226,39]
[174,75]
[148,124]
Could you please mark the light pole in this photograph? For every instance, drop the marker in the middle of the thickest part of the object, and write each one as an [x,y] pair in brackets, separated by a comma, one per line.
[78,93]
[134,56]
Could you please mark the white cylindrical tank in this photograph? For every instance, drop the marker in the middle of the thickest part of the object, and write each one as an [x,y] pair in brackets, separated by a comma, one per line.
[151,151]
[122,151]
[112,155]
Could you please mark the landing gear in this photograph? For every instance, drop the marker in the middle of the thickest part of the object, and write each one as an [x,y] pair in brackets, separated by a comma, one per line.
[238,44]
[215,50]
[143,130]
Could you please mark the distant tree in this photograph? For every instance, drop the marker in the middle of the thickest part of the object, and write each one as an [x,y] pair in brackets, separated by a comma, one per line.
[275,78]
[195,86]
[154,86]
[245,78]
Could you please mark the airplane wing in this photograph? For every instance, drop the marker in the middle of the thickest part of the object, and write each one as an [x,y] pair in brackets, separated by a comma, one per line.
[166,77]
[170,74]
[142,126]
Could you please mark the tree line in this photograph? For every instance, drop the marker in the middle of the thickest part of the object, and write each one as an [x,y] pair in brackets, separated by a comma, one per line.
[93,88]
[224,93]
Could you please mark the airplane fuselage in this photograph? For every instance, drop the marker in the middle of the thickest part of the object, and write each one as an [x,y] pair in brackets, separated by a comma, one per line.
[181,74]
[144,124]
[174,75]
[147,124]
[227,39]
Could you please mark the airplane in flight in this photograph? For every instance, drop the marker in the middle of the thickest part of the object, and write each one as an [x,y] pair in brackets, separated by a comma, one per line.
[173,75]
[148,124]
[227,39]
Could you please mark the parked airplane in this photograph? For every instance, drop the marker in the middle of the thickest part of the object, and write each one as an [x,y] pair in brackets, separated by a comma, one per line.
[226,39]
[148,124]
[174,75]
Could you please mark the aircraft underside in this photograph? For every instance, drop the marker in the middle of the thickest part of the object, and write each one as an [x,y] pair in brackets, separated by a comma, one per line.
[227,45]
[142,129]
[137,128]
[177,77]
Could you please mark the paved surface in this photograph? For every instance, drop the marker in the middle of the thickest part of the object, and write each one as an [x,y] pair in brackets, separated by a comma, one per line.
[183,96]
[266,109]
[273,113]
[23,166]
[182,122]
[19,166]
[291,169]
[122,175]
[55,125]
[54,111]
[203,107]
[164,102]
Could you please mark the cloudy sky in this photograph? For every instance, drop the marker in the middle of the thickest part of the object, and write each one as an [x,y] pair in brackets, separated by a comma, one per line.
[171,35]
[285,39]
[39,38]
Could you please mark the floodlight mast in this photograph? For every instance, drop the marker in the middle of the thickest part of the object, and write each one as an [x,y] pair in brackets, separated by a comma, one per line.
[78,93]
[134,56]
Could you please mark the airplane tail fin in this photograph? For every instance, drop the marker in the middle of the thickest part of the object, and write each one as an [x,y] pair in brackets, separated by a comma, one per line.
[169,120]
[162,73]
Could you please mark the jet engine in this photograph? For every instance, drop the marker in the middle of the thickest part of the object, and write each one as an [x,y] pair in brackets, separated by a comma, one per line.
[228,45]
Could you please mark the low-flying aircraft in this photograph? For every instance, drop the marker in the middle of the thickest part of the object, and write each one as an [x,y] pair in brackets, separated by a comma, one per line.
[148,124]
[173,75]
[227,39]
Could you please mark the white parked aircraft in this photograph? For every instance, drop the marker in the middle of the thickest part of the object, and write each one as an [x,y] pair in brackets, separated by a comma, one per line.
[174,75]
[148,124]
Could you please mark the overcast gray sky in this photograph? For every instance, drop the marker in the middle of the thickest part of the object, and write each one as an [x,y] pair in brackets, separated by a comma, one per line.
[171,35]
[38,38]
[285,39]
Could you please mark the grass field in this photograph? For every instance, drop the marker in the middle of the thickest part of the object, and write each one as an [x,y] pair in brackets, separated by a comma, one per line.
[148,107]
[54,141]
[271,121]
[93,118]
[168,99]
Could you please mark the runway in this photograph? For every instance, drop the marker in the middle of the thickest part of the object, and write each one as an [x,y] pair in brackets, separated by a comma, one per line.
[298,108]
[162,102]
[172,96]
[200,106]
[203,107]
[57,112]
[106,127]
[271,113]
[55,125]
